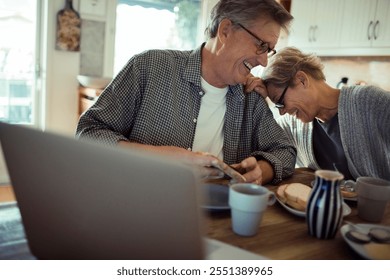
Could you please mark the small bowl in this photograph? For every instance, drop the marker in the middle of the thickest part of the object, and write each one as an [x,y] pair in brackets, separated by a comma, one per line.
[93,82]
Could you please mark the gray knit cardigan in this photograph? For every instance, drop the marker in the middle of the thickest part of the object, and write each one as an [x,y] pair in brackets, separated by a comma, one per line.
[364,120]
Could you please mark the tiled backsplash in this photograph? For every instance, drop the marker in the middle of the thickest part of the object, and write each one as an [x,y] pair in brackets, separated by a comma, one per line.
[372,70]
[92,48]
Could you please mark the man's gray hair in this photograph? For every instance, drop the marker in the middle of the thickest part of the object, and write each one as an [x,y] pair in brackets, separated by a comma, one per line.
[245,12]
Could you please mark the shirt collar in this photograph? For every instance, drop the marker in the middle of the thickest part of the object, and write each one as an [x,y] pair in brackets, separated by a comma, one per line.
[193,70]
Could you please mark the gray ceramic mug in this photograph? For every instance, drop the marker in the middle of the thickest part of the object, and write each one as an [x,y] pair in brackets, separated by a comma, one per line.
[373,195]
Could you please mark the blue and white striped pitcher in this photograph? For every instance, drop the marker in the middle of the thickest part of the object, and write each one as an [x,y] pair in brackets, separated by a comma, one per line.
[324,211]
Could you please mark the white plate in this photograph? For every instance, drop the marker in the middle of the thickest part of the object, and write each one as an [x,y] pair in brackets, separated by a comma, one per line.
[216,197]
[358,247]
[346,209]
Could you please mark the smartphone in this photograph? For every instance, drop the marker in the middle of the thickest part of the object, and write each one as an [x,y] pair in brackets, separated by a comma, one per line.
[229,171]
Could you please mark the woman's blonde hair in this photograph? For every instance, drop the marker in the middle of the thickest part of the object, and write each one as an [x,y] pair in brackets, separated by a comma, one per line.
[283,66]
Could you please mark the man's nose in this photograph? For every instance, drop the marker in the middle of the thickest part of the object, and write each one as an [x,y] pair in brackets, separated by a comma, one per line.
[262,59]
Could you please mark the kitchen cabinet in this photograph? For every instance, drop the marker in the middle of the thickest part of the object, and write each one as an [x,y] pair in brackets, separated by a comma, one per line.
[341,27]
[316,23]
[365,24]
[382,35]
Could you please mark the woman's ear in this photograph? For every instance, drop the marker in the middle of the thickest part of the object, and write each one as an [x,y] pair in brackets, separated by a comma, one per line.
[302,78]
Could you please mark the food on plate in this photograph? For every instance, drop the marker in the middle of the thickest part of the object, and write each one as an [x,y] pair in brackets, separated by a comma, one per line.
[227,169]
[298,193]
[357,236]
[280,193]
[348,193]
[295,195]
[379,234]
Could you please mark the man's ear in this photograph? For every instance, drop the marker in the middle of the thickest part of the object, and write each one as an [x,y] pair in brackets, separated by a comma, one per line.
[302,78]
[224,29]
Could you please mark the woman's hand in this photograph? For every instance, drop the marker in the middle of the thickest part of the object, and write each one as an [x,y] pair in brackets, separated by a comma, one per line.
[255,84]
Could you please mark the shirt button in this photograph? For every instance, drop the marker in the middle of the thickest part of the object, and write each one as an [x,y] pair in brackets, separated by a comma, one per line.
[201,93]
[195,120]
[189,149]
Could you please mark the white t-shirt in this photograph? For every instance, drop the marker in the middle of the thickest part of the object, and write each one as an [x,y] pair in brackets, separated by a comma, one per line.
[209,128]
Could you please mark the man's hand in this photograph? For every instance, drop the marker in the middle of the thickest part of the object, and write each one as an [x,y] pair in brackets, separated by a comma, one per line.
[202,161]
[257,172]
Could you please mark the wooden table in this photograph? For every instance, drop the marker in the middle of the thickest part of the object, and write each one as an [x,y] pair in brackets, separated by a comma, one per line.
[283,235]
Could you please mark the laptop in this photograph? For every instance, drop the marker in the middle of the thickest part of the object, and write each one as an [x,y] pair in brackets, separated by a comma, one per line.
[83,200]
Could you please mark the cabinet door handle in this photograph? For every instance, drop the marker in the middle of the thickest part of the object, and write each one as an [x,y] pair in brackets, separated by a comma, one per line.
[310,33]
[368,30]
[376,28]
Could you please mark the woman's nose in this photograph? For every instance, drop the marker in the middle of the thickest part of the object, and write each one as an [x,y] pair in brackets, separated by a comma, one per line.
[282,111]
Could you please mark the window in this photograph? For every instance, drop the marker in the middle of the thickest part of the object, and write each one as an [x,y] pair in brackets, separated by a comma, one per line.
[146,24]
[18,29]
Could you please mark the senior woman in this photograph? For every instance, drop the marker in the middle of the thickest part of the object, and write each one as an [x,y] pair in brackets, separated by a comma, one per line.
[347,130]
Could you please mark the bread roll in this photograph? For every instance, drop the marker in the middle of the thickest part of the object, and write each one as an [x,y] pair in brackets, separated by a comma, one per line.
[298,193]
[296,205]
[280,193]
[295,195]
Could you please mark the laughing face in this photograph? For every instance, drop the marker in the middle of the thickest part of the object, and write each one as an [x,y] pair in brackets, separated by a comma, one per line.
[257,43]
[244,47]
[296,101]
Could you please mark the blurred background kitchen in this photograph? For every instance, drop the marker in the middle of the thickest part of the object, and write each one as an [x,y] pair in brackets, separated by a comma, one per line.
[40,84]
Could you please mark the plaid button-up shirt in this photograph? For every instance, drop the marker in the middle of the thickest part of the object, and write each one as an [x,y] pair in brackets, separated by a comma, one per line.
[156,98]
